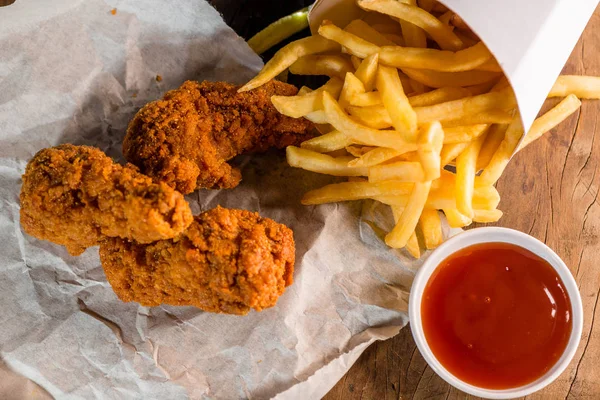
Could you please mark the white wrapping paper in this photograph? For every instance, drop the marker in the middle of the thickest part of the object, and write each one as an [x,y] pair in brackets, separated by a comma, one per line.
[70,71]
[531,39]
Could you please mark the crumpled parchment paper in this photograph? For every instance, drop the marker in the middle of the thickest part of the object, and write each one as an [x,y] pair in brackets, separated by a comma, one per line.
[70,71]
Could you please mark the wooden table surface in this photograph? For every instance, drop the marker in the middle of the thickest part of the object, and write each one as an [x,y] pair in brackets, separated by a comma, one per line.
[550,191]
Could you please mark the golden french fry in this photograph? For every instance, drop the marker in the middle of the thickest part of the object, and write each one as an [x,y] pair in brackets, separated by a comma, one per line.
[396,39]
[431,226]
[304,90]
[484,198]
[413,37]
[409,218]
[439,79]
[332,141]
[403,171]
[430,141]
[490,65]
[299,106]
[466,107]
[456,219]
[412,245]
[347,191]
[487,216]
[377,156]
[436,60]
[367,71]
[482,88]
[483,117]
[493,139]
[461,134]
[287,56]
[355,62]
[465,177]
[427,5]
[365,99]
[396,103]
[359,133]
[497,164]
[324,64]
[446,17]
[550,119]
[451,151]
[358,151]
[441,33]
[352,86]
[322,163]
[352,43]
[375,117]
[438,96]
[364,31]
[317,117]
[385,29]
[584,87]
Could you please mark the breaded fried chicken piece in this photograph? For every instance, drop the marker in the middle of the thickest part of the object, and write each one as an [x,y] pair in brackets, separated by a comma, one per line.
[76,196]
[186,139]
[227,261]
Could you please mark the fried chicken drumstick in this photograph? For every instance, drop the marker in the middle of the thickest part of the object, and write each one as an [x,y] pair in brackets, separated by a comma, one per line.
[227,261]
[186,139]
[77,196]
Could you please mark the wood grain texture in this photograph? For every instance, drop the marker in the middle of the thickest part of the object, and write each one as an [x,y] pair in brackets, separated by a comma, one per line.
[549,191]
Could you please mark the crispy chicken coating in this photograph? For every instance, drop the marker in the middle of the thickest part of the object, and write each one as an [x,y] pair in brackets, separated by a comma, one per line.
[227,261]
[77,196]
[186,139]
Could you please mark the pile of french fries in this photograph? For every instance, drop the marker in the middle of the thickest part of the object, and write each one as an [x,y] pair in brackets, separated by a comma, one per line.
[417,113]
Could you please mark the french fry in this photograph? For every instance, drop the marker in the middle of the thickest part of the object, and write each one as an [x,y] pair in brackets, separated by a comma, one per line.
[483,117]
[584,87]
[358,151]
[412,245]
[317,117]
[483,199]
[427,5]
[367,71]
[288,55]
[354,44]
[438,96]
[409,218]
[414,37]
[355,62]
[497,164]
[299,106]
[396,103]
[347,191]
[396,39]
[365,99]
[326,64]
[304,90]
[359,133]
[375,117]
[445,18]
[461,134]
[465,177]
[439,79]
[430,141]
[487,216]
[490,145]
[322,163]
[377,156]
[441,33]
[352,86]
[490,65]
[431,226]
[451,151]
[364,31]
[332,141]
[550,119]
[466,107]
[403,171]
[436,60]
[456,219]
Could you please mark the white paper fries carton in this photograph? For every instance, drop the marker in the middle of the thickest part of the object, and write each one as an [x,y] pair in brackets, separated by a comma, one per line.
[531,39]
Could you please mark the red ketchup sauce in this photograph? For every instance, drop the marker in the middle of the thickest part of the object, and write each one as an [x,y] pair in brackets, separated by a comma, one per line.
[496,315]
